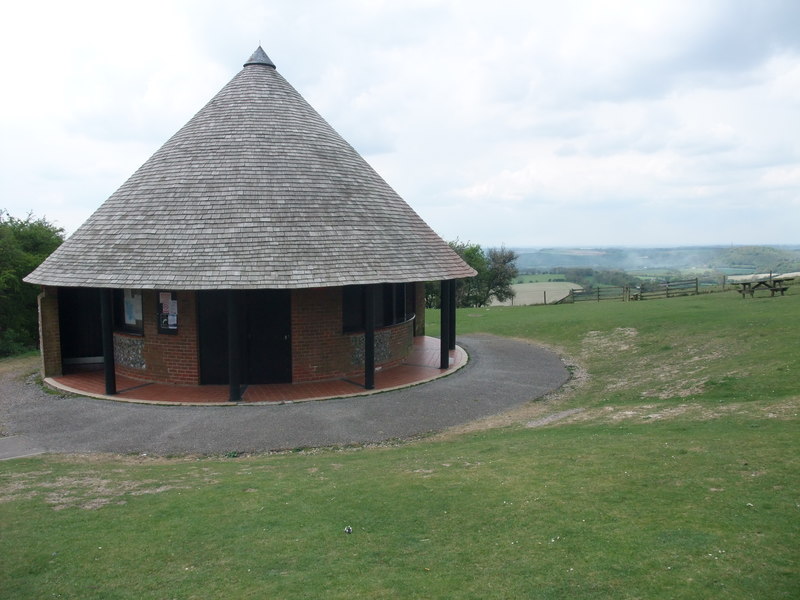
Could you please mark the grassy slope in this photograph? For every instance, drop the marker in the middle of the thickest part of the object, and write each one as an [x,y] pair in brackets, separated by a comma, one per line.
[713,348]
[656,489]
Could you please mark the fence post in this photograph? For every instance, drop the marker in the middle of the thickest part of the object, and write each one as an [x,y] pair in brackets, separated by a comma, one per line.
[544,294]
[696,286]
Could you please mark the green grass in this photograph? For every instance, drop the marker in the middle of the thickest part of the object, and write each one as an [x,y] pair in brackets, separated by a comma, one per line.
[708,348]
[648,492]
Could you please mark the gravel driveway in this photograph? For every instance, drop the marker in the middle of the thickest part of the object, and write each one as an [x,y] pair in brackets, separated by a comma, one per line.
[501,374]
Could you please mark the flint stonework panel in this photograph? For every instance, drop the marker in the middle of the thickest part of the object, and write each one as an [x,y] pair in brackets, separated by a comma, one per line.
[163,357]
[320,348]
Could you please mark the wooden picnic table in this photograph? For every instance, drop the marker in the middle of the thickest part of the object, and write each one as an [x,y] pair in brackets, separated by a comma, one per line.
[773,285]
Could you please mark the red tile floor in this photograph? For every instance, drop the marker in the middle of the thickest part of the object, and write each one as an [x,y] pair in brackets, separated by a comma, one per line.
[421,365]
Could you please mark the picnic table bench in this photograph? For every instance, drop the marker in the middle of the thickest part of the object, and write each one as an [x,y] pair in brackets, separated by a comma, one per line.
[774,285]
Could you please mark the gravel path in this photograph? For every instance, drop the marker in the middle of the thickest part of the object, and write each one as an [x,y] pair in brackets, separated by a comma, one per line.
[501,374]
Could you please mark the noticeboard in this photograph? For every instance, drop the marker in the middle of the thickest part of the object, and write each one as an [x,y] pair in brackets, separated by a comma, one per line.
[167,312]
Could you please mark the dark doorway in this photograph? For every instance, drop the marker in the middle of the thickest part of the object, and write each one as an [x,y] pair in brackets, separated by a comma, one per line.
[212,325]
[268,328]
[80,328]
[265,319]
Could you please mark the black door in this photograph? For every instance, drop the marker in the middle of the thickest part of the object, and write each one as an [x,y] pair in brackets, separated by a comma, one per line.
[212,324]
[80,328]
[268,347]
[265,326]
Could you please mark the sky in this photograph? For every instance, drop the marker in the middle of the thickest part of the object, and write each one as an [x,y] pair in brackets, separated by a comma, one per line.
[520,123]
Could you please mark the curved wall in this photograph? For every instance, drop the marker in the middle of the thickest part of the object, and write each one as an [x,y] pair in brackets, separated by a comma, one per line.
[320,348]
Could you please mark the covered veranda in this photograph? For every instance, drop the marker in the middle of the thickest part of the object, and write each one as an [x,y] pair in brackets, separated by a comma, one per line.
[427,361]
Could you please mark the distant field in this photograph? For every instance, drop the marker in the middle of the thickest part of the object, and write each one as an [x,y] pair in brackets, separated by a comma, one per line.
[540,278]
[546,292]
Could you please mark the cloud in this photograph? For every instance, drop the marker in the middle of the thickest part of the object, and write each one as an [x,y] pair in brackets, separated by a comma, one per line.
[524,122]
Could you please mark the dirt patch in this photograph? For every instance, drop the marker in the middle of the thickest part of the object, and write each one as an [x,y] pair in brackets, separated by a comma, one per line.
[681,376]
[552,418]
[676,373]
[90,491]
[19,366]
[651,413]
[544,415]
[124,460]
[622,339]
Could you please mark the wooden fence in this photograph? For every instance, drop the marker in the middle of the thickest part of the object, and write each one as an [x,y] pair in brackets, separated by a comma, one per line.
[597,294]
[670,289]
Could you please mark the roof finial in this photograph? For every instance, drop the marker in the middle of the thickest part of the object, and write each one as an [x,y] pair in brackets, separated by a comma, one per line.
[259,57]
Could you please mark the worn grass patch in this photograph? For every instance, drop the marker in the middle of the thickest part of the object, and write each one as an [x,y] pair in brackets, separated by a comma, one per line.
[21,365]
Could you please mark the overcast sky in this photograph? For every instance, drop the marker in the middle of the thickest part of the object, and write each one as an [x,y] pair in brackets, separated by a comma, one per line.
[525,123]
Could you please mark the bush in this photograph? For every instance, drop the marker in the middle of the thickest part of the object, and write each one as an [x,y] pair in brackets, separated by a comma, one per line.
[24,244]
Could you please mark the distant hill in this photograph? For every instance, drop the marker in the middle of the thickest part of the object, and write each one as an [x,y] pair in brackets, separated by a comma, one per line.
[724,259]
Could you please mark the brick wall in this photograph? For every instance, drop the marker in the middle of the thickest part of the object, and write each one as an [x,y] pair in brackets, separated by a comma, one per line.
[49,332]
[320,349]
[167,358]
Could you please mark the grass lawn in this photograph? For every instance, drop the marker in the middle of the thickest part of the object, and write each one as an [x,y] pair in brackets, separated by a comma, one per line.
[676,475]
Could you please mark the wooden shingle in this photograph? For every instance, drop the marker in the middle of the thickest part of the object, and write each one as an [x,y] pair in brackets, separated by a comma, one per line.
[256,191]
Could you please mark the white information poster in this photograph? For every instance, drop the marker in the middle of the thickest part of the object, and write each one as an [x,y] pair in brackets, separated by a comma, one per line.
[130,307]
[165,298]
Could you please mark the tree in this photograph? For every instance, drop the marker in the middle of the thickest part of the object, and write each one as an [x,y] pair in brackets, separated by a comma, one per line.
[496,272]
[24,244]
[500,274]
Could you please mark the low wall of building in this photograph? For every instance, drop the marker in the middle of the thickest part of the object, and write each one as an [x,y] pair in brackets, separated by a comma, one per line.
[161,357]
[321,350]
[320,347]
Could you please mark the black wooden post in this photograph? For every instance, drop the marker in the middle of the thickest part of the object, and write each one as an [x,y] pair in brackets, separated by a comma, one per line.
[451,342]
[234,344]
[369,337]
[444,334]
[107,329]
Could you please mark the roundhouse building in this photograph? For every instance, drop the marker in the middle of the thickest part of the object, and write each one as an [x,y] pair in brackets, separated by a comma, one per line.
[255,246]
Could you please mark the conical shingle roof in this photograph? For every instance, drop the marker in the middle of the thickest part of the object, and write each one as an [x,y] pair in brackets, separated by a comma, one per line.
[255,191]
